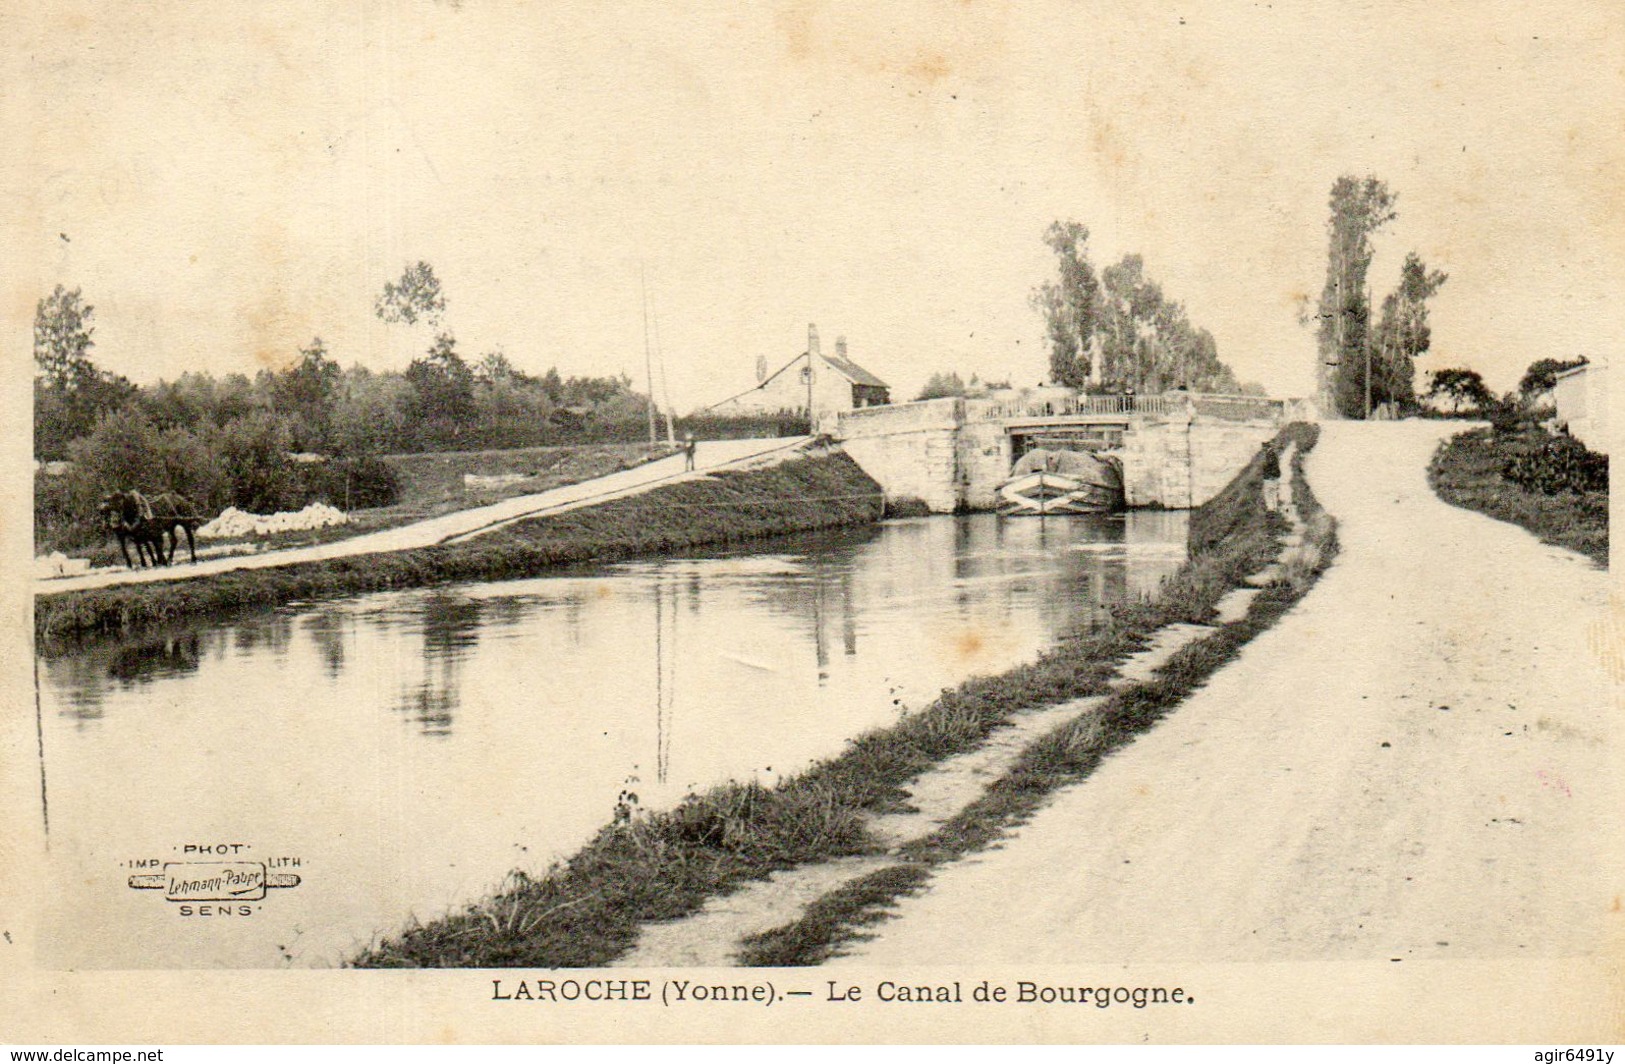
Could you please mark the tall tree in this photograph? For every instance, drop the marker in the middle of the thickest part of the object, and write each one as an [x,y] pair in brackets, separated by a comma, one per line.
[941,386]
[416,295]
[1464,389]
[1359,207]
[306,393]
[442,384]
[70,393]
[1070,305]
[1124,302]
[1147,341]
[62,338]
[1403,335]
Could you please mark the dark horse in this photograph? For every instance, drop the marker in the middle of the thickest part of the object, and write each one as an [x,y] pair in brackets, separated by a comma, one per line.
[172,514]
[133,516]
[124,514]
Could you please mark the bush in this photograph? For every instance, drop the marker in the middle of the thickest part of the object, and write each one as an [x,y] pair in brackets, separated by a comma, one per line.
[1469,471]
[742,426]
[1509,417]
[254,451]
[906,506]
[351,483]
[122,453]
[58,523]
[1556,464]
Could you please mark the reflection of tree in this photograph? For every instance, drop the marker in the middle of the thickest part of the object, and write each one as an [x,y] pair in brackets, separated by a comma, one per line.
[849,615]
[575,613]
[505,611]
[327,630]
[968,560]
[1113,581]
[79,679]
[451,624]
[271,633]
[819,610]
[430,707]
[153,659]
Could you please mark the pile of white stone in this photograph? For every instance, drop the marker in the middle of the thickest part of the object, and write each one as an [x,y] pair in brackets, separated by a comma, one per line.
[56,564]
[233,522]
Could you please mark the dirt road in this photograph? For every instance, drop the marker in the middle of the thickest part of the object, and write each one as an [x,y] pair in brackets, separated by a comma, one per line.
[1416,762]
[709,456]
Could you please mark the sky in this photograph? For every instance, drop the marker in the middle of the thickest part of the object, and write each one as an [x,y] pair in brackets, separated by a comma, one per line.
[225,181]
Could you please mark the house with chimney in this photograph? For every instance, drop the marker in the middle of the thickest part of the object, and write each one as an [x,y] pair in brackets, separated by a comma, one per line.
[828,382]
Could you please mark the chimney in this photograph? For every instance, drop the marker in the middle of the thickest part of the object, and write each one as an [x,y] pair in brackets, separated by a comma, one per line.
[812,339]
[840,347]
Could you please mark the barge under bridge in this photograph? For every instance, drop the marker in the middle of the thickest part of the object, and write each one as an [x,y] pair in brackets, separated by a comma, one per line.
[1177,449]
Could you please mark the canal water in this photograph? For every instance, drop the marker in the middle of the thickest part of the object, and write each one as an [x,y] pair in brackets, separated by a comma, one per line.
[392,756]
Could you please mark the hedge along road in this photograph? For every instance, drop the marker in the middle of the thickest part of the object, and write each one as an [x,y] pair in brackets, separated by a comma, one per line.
[709,456]
[1415,763]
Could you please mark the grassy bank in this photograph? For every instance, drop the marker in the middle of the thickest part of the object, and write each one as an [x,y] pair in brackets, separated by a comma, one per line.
[586,911]
[1468,470]
[433,483]
[801,495]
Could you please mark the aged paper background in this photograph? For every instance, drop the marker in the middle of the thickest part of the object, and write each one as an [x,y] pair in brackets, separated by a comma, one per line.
[226,182]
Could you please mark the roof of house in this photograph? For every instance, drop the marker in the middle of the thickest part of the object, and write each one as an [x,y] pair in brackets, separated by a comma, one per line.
[845,367]
[1575,371]
[854,372]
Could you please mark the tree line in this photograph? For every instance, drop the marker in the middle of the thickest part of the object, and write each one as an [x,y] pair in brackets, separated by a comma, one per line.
[1115,330]
[241,441]
[439,402]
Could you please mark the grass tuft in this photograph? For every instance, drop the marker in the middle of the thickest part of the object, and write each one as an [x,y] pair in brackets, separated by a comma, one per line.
[837,915]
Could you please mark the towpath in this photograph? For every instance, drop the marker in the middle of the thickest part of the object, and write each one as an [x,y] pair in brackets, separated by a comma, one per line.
[710,456]
[1416,763]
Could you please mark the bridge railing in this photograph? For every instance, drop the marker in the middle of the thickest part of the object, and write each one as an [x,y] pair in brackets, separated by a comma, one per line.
[1229,407]
[1071,406]
[1239,407]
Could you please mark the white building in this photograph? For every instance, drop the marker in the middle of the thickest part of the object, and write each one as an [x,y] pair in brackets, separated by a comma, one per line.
[831,383]
[1581,396]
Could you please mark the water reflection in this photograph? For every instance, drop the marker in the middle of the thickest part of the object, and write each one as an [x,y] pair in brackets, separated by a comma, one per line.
[328,629]
[156,659]
[451,629]
[270,632]
[411,747]
[666,651]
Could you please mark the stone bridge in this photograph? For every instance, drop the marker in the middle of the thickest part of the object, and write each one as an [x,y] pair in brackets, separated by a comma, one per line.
[1178,450]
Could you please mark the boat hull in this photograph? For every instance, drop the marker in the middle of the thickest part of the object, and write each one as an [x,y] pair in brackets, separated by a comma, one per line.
[1044,493]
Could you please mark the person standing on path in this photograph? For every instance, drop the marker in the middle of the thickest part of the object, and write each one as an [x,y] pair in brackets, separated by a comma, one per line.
[689,447]
[1271,472]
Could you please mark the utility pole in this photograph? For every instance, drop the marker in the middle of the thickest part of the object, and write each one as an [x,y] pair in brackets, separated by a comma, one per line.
[809,374]
[1367,346]
[648,357]
[812,356]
